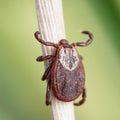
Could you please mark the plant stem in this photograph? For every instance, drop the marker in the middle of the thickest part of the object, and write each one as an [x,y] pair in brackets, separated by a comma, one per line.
[51,26]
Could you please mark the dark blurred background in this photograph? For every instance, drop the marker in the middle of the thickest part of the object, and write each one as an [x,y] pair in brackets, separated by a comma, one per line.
[22,93]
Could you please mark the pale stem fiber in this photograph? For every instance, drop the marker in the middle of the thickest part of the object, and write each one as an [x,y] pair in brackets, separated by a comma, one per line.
[51,26]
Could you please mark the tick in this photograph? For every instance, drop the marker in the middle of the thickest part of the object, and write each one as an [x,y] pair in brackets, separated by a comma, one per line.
[65,75]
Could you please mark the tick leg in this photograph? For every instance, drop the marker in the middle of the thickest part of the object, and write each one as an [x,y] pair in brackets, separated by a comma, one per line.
[37,36]
[82,44]
[80,57]
[47,72]
[42,58]
[83,98]
[48,101]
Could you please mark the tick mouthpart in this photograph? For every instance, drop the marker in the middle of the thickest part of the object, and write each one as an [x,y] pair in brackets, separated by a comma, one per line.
[64,43]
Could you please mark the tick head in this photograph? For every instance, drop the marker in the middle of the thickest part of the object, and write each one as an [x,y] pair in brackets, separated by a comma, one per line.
[64,43]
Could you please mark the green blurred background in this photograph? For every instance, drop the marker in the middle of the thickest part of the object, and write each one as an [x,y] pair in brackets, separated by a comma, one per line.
[22,93]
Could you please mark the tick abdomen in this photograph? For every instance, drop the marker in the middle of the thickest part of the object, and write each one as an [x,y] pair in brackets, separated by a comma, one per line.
[67,76]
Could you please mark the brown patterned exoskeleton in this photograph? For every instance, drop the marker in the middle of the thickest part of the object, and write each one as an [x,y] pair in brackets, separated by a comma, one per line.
[65,74]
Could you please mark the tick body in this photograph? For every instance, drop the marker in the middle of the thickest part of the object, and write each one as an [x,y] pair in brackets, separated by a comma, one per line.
[65,74]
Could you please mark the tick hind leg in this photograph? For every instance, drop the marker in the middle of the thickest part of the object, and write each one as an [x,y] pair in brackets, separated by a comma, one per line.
[48,91]
[83,98]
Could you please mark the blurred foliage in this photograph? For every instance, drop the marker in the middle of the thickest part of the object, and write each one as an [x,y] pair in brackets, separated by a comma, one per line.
[22,93]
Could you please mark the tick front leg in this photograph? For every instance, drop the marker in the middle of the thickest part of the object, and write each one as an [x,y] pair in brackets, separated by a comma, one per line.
[42,58]
[83,98]
[37,36]
[82,44]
